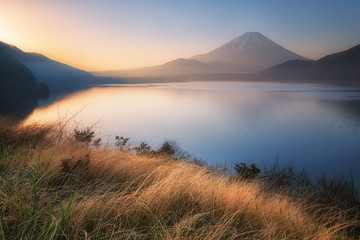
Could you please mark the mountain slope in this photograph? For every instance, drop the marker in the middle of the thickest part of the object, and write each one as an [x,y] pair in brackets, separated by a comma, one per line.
[293,69]
[250,52]
[55,74]
[338,67]
[18,90]
[177,68]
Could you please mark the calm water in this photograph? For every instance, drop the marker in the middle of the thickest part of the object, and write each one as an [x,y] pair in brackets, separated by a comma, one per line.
[316,127]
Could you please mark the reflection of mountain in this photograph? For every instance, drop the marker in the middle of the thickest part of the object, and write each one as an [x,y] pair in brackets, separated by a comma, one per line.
[338,67]
[57,76]
[250,52]
[18,90]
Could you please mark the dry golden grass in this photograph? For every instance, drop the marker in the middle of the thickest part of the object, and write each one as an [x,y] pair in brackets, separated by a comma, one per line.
[68,190]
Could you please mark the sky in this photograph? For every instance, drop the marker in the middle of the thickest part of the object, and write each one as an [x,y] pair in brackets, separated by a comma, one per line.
[99,35]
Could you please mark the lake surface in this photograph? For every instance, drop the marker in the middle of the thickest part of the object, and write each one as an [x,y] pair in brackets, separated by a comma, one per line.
[311,126]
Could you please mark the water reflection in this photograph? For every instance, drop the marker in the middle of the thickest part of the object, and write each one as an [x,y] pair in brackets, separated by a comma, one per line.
[312,126]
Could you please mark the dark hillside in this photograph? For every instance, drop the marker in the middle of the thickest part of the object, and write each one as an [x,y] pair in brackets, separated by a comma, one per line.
[19,91]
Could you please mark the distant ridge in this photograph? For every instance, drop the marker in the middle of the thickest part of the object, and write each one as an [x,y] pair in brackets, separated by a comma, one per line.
[338,67]
[54,74]
[248,53]
[177,68]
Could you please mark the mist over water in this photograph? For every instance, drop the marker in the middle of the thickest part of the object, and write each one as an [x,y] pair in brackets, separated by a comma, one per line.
[311,126]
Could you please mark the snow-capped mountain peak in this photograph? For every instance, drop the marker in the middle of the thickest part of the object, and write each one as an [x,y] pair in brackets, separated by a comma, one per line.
[250,52]
[250,40]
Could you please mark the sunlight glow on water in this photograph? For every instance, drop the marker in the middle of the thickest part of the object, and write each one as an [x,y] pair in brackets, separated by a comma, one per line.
[311,126]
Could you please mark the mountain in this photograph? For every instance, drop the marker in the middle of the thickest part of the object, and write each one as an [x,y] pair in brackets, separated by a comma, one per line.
[250,52]
[181,64]
[19,91]
[290,70]
[54,74]
[180,67]
[343,65]
[338,67]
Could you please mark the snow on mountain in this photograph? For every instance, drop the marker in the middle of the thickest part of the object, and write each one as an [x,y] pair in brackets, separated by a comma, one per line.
[249,40]
[250,52]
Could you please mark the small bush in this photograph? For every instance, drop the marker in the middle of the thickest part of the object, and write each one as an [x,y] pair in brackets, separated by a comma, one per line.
[97,142]
[167,148]
[84,136]
[247,173]
[172,150]
[121,142]
[143,149]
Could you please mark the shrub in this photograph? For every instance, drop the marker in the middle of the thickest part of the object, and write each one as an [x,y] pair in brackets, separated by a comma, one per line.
[143,149]
[172,150]
[84,136]
[167,148]
[247,173]
[121,142]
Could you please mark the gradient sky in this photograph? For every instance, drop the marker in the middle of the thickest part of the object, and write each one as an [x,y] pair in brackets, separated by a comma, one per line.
[116,34]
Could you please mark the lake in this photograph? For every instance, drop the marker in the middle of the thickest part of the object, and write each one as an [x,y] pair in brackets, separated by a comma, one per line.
[310,126]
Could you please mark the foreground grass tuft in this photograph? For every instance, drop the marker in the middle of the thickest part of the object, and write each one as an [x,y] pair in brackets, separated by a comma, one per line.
[52,189]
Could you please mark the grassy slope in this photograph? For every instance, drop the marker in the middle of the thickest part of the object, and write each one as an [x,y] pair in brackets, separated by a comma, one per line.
[52,187]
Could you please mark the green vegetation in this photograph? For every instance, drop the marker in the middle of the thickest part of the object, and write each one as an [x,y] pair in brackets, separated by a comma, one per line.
[56,186]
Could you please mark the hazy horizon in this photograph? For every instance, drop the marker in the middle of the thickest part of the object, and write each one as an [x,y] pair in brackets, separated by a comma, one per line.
[97,36]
